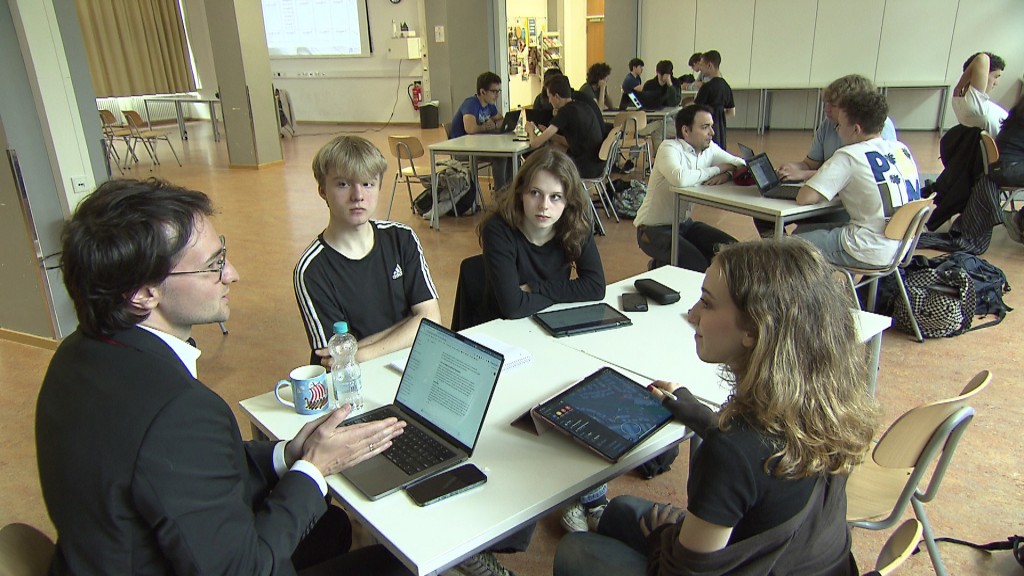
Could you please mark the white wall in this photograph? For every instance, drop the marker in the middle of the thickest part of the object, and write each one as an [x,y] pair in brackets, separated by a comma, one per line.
[573,23]
[791,43]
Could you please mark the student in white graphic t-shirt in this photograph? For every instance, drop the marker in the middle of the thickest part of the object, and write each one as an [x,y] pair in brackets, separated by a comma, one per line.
[871,176]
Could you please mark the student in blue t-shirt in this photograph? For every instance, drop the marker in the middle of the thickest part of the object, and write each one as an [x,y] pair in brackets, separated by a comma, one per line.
[478,115]
[632,82]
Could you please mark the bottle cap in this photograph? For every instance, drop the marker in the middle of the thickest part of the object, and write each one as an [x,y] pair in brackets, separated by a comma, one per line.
[341,327]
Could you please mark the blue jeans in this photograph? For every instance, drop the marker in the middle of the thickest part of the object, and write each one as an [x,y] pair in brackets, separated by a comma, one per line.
[618,548]
[826,238]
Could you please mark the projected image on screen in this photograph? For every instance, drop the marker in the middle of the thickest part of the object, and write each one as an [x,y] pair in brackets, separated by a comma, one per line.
[316,27]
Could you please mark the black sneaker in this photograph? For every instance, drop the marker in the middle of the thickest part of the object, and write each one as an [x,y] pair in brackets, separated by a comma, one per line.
[627,167]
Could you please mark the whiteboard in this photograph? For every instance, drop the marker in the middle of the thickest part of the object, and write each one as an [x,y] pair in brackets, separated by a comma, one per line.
[316,28]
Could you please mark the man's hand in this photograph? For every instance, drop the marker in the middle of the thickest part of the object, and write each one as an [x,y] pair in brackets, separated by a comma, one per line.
[794,171]
[723,178]
[332,448]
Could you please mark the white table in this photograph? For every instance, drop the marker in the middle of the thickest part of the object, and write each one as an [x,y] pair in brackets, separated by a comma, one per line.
[660,345]
[528,476]
[178,101]
[747,200]
[473,146]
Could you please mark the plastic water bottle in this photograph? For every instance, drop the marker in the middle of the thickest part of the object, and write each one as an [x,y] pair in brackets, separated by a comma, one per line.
[345,373]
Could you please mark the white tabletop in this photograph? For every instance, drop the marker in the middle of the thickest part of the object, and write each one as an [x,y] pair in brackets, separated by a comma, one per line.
[528,475]
[747,200]
[660,343]
[481,144]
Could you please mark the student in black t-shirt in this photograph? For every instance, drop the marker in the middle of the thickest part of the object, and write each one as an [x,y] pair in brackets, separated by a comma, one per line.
[767,484]
[716,93]
[575,128]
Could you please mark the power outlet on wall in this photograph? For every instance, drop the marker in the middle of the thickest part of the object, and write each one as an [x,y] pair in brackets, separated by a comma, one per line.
[79,184]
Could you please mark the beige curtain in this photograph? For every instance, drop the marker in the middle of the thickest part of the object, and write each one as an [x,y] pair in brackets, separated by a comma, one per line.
[135,47]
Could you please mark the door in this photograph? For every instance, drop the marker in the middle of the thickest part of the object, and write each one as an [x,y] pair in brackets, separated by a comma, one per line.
[22,294]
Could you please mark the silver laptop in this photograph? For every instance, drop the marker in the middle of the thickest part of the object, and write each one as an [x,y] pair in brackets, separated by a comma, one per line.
[767,180]
[443,396]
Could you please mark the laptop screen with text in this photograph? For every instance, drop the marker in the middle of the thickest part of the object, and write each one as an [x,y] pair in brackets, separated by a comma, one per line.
[448,381]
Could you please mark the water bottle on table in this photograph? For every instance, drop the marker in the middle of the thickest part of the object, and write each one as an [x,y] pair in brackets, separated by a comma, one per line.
[345,373]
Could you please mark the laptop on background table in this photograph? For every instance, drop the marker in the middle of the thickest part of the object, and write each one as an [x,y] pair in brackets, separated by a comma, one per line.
[767,181]
[443,396]
[508,124]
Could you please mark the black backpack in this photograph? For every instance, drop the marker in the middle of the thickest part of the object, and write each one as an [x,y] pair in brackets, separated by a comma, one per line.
[946,293]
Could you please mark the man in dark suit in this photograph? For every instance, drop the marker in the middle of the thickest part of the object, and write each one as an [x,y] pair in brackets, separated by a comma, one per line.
[142,467]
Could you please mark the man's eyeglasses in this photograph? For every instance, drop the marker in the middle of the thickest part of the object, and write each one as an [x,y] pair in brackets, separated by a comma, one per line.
[496,91]
[218,265]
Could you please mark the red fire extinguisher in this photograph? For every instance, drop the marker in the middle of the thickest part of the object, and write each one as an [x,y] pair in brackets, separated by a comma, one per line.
[416,95]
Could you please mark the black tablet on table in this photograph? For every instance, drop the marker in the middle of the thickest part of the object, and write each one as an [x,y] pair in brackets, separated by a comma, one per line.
[582,319]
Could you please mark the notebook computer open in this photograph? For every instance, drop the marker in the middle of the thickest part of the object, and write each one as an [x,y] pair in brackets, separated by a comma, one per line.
[648,101]
[508,124]
[767,180]
[443,396]
[747,153]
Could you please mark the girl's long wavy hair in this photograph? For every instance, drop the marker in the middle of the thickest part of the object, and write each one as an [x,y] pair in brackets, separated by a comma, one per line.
[804,382]
[575,226]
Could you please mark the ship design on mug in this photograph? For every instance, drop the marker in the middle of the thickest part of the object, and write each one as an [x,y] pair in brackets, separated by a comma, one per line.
[317,398]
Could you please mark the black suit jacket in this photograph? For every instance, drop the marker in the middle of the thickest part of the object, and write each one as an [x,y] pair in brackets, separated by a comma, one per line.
[144,471]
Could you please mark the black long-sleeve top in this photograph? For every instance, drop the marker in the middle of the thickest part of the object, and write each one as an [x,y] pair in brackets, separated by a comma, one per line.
[510,260]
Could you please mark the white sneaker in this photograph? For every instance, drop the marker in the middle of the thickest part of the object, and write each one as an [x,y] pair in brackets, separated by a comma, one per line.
[576,518]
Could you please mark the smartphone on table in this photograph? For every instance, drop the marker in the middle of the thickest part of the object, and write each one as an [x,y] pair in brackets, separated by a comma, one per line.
[446,484]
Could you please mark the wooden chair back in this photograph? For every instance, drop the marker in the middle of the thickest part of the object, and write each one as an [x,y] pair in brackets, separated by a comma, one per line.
[108,118]
[906,218]
[989,150]
[405,147]
[904,442]
[609,143]
[631,122]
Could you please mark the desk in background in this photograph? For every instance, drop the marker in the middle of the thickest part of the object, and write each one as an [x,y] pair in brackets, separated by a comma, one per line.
[178,101]
[662,114]
[473,146]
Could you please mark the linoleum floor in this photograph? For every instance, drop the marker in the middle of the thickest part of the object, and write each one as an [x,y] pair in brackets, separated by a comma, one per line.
[270,215]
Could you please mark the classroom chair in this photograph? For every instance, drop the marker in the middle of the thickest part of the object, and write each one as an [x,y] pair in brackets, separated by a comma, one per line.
[113,131]
[469,309]
[891,478]
[635,144]
[601,185]
[24,551]
[897,548]
[406,149]
[1010,196]
[905,226]
[148,137]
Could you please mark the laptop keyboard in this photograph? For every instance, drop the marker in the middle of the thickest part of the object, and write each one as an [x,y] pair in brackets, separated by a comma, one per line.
[414,450]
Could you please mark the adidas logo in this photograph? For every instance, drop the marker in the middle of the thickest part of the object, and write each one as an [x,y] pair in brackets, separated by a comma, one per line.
[397,273]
